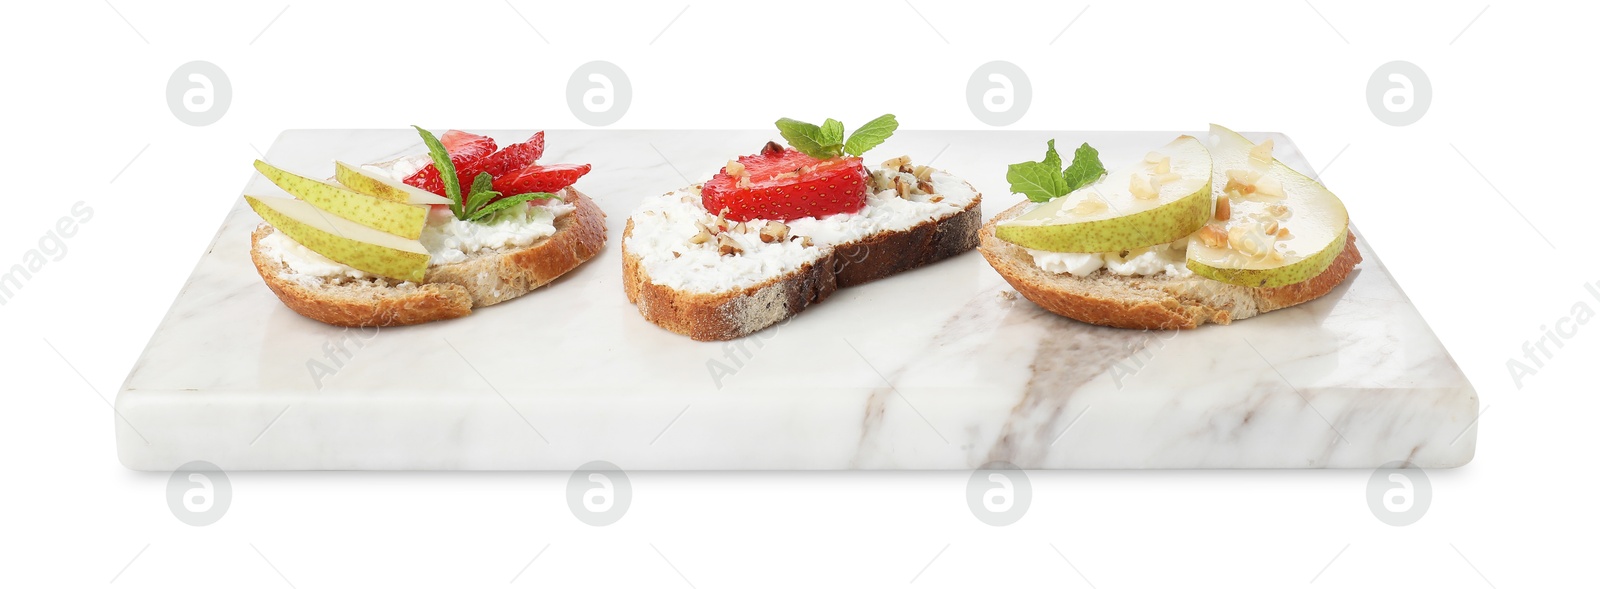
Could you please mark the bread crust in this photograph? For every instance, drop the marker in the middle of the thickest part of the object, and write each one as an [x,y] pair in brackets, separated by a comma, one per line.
[448,291]
[735,314]
[1150,302]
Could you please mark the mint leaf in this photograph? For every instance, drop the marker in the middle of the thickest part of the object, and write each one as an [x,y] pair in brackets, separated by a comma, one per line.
[1044,180]
[832,134]
[482,192]
[870,135]
[447,170]
[508,202]
[1038,181]
[1085,168]
[805,137]
[1051,158]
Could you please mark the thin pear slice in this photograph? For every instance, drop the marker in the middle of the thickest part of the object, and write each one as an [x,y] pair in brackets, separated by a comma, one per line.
[1314,221]
[393,217]
[343,241]
[1107,216]
[374,183]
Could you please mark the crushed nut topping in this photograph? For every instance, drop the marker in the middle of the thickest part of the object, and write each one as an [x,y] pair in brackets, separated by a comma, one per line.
[1269,186]
[1089,205]
[1261,154]
[1213,236]
[774,231]
[727,246]
[901,187]
[1160,163]
[1224,209]
[734,168]
[1144,186]
[702,237]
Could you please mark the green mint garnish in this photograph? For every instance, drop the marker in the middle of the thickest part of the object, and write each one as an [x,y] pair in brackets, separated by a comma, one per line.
[870,135]
[447,170]
[1044,180]
[488,211]
[480,203]
[828,141]
[1085,168]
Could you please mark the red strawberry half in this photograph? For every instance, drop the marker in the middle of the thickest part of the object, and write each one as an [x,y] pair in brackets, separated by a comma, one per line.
[537,178]
[784,184]
[464,149]
[512,158]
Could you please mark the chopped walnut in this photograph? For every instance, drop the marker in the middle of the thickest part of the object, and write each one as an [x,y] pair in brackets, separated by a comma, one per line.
[1213,236]
[901,187]
[1224,208]
[727,246]
[702,237]
[773,232]
[923,173]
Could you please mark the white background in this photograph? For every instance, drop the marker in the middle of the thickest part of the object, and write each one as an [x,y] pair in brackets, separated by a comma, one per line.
[1510,129]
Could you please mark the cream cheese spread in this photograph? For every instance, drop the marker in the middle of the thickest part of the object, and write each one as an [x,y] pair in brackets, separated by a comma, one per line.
[663,226]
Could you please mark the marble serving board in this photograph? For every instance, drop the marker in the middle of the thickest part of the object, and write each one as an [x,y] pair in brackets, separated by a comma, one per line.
[939,368]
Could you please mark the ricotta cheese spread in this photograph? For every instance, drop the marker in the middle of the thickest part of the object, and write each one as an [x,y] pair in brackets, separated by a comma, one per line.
[663,226]
[1167,259]
[448,240]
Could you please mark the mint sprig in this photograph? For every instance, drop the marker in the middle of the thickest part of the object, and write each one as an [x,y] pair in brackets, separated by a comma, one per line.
[482,201]
[447,169]
[828,141]
[1044,180]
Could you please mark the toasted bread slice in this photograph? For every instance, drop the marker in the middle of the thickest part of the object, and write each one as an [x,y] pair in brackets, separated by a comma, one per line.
[1149,302]
[735,313]
[448,291]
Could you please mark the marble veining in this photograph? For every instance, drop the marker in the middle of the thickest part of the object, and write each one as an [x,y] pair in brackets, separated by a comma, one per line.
[940,368]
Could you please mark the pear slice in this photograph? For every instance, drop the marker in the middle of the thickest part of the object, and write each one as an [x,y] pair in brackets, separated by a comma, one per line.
[1108,215]
[1283,228]
[400,219]
[375,183]
[343,241]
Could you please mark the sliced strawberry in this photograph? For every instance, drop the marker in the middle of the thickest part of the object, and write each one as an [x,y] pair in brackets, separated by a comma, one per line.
[784,184]
[512,158]
[468,145]
[465,149]
[537,178]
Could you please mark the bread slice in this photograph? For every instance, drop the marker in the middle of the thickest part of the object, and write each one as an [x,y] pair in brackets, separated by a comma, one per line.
[734,314]
[1149,302]
[448,291]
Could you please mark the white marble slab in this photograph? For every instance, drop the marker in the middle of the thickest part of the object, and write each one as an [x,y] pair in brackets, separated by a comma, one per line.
[939,368]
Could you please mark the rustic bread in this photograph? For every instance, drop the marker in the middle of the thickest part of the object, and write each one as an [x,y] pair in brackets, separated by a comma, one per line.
[448,291]
[1149,302]
[736,313]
